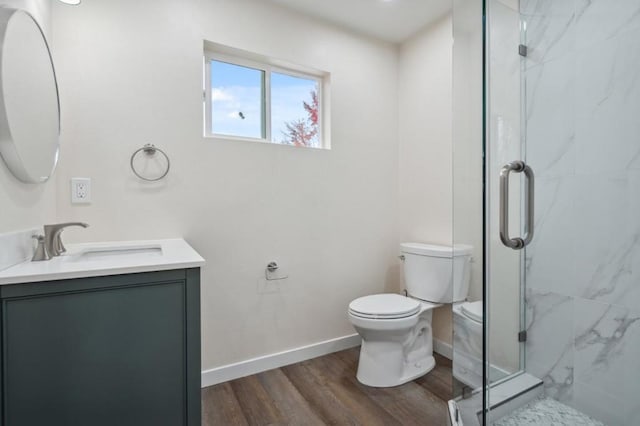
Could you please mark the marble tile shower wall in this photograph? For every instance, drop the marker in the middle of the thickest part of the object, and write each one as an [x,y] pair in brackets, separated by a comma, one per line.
[582,79]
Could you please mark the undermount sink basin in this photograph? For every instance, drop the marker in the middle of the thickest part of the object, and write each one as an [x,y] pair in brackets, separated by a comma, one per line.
[113,253]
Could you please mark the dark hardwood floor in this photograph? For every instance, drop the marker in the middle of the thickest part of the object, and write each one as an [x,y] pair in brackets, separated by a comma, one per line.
[325,391]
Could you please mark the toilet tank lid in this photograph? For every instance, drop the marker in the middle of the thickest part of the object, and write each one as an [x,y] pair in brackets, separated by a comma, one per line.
[436,250]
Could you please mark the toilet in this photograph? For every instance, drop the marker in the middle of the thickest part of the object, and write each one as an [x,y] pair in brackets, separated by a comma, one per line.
[397,343]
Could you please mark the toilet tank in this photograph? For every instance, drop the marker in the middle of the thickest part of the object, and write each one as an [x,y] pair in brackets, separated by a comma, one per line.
[437,273]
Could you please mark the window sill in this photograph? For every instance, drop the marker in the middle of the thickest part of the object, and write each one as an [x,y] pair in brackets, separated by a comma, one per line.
[261,141]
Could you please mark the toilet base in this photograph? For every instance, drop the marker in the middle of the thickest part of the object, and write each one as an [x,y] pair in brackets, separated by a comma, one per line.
[372,372]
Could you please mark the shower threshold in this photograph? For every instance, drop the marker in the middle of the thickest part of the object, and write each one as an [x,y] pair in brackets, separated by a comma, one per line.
[506,397]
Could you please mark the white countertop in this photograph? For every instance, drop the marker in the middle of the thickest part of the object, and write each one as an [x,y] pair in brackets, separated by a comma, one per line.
[112,258]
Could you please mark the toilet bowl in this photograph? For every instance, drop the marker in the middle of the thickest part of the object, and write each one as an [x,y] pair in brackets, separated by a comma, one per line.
[396,338]
[397,342]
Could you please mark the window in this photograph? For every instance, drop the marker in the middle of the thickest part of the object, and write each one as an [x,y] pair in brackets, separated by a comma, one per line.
[251,97]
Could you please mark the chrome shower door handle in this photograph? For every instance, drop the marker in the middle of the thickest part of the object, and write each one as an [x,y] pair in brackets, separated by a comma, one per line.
[516,243]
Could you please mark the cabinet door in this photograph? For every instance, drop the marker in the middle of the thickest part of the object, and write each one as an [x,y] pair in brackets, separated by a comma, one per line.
[109,356]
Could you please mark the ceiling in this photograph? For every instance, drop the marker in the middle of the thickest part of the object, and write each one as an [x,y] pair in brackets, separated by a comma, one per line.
[391,20]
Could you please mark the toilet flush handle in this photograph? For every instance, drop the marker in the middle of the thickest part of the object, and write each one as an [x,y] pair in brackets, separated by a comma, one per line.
[401,257]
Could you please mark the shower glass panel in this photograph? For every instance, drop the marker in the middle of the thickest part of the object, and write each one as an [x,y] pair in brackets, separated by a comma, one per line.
[562,95]
[467,188]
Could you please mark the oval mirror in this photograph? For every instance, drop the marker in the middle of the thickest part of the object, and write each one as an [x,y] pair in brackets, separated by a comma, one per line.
[29,105]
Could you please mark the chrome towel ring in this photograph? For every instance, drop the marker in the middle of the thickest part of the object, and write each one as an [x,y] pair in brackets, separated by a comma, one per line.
[150,150]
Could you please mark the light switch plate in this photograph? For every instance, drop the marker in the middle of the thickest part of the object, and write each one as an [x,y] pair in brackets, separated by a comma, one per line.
[80,190]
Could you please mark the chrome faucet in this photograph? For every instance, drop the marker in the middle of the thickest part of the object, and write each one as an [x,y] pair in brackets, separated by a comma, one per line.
[52,239]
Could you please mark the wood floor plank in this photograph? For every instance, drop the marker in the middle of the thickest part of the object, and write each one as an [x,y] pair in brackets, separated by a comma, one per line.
[410,404]
[321,400]
[343,383]
[220,406]
[442,361]
[438,381]
[289,401]
[350,357]
[257,405]
[325,391]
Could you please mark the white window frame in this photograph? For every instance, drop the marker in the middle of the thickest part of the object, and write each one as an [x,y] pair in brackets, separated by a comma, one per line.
[215,52]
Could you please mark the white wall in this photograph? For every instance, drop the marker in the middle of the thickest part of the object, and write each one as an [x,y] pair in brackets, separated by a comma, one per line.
[131,73]
[425,162]
[22,205]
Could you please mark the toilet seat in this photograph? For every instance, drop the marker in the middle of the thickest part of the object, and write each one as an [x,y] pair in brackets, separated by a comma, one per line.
[384,306]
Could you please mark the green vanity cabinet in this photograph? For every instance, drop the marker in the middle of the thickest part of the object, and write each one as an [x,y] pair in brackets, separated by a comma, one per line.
[121,350]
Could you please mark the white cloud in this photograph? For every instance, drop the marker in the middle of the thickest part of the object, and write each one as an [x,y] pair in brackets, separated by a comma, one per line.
[221,95]
[226,108]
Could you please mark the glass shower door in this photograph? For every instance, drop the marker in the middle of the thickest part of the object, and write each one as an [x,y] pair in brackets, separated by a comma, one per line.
[496,273]
[509,194]
[497,280]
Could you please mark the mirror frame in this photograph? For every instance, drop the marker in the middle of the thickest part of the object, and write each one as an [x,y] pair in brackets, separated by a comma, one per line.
[8,150]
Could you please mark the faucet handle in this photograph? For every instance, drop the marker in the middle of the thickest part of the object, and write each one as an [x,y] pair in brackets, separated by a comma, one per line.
[41,251]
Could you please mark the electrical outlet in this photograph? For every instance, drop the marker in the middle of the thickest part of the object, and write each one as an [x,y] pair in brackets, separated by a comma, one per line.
[80,190]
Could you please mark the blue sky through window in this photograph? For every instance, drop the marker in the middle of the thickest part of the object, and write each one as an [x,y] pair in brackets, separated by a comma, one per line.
[236,100]
[236,93]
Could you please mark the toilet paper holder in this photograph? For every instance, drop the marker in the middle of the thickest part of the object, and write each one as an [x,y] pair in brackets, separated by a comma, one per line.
[272,268]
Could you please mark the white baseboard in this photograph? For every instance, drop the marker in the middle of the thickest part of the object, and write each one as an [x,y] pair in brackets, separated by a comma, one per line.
[280,359]
[443,348]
